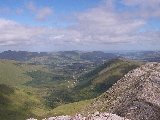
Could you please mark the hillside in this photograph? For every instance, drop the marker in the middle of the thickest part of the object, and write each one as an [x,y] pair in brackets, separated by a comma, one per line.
[135,96]
[14,73]
[18,104]
[97,56]
[93,83]
[42,92]
[103,77]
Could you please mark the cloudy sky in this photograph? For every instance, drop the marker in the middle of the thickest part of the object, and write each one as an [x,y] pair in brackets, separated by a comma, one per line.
[52,25]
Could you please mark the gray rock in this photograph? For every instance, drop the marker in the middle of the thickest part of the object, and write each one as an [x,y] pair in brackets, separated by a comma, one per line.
[96,116]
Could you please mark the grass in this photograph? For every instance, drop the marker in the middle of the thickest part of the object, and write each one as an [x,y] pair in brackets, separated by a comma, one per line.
[14,73]
[70,109]
[19,104]
[102,78]
[11,74]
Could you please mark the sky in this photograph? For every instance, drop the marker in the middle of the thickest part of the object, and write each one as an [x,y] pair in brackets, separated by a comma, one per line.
[55,25]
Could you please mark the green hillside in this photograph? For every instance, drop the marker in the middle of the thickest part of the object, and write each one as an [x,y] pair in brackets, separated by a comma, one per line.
[102,78]
[14,73]
[93,83]
[29,84]
[69,109]
[37,92]
[19,104]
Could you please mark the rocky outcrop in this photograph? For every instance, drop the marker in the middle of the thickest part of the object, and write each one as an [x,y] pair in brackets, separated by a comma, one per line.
[95,116]
[136,96]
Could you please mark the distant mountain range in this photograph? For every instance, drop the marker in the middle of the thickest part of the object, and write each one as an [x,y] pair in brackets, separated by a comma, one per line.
[150,56]
[95,56]
[20,55]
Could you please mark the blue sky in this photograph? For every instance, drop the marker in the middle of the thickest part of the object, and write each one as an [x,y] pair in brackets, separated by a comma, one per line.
[59,8]
[49,25]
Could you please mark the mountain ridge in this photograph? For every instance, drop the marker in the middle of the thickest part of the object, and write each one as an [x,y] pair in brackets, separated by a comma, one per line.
[135,96]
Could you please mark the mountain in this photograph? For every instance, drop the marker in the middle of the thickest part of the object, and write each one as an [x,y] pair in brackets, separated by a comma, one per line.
[149,56]
[97,56]
[20,55]
[136,96]
[70,54]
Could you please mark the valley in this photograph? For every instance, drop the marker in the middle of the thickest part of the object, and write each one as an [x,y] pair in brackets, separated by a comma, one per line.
[41,85]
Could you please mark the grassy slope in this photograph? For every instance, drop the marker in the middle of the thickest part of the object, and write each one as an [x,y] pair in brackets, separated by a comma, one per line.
[13,73]
[21,101]
[69,109]
[93,83]
[19,104]
[102,78]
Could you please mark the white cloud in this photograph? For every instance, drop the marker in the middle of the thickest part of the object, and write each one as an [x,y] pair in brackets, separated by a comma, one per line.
[19,11]
[31,7]
[102,25]
[5,10]
[145,8]
[98,25]
[12,33]
[41,14]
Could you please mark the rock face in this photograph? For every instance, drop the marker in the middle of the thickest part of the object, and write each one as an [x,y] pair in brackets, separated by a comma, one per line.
[136,96]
